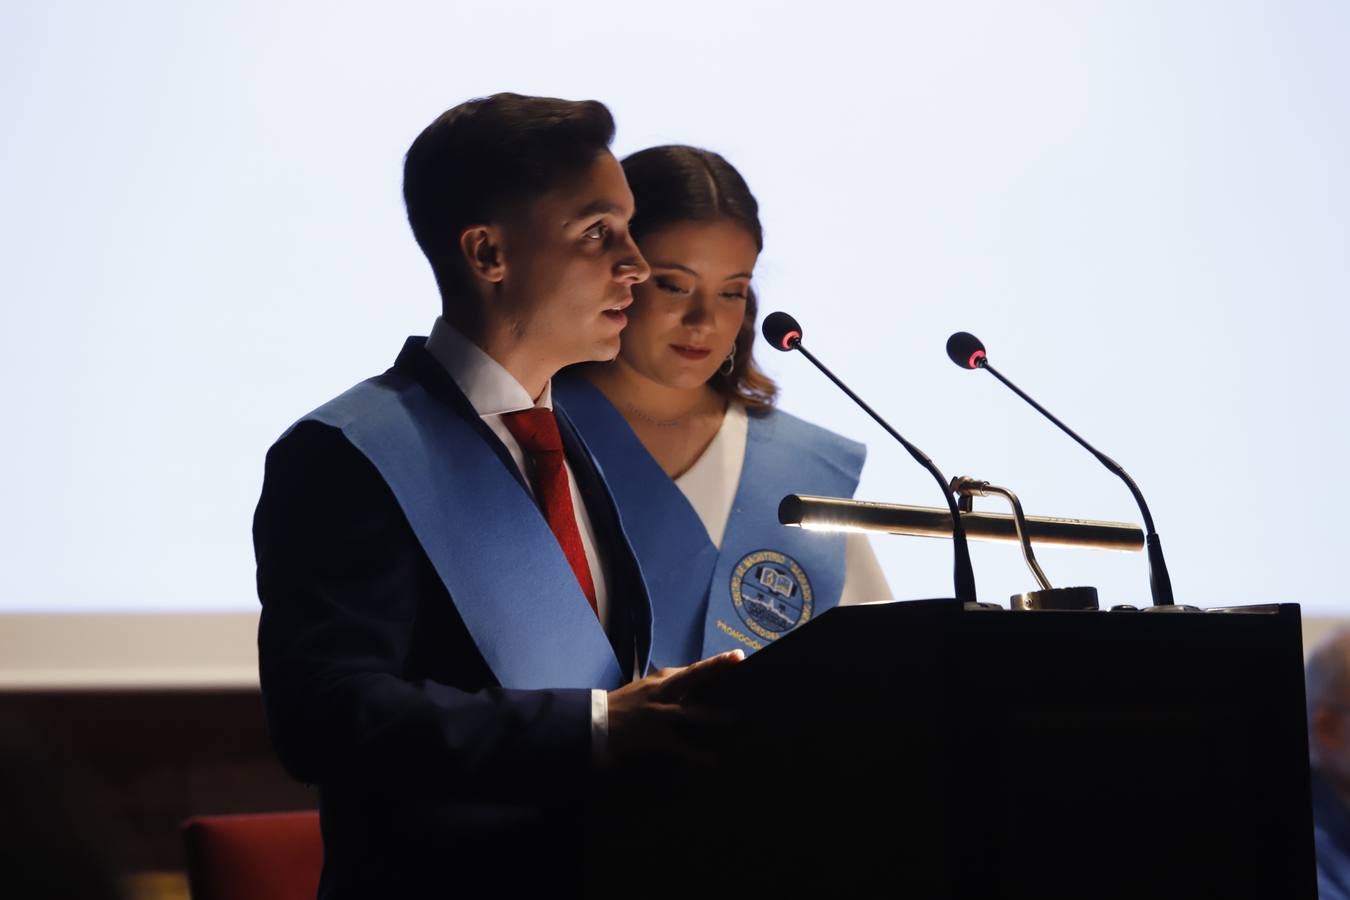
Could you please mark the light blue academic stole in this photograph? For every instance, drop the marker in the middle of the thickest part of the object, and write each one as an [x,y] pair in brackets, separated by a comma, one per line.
[483,533]
[766,579]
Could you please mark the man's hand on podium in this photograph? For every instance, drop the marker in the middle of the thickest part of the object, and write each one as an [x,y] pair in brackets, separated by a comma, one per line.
[656,717]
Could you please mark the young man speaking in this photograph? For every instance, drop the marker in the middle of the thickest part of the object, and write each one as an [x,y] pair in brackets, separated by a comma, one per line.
[453,626]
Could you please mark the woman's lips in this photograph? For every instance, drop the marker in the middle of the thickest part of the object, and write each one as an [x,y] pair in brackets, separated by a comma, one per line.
[692,353]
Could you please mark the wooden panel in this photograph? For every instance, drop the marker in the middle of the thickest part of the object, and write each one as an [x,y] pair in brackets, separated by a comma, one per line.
[136,763]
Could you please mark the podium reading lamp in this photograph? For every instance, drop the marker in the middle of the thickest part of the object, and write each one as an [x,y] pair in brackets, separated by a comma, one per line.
[839,514]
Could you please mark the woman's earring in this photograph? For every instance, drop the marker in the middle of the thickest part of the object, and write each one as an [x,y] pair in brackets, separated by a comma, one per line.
[729,364]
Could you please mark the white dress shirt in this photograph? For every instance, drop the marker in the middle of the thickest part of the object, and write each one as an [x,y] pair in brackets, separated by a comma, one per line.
[492,392]
[710,487]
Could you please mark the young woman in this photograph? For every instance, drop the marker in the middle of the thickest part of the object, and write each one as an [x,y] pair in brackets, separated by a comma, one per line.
[684,427]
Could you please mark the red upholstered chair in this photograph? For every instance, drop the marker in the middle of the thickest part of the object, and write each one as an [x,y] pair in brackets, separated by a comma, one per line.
[263,856]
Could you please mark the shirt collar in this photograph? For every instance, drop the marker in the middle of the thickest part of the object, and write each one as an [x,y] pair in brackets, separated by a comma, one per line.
[490,389]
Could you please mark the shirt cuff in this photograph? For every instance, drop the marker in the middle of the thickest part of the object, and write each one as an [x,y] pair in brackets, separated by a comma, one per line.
[599,728]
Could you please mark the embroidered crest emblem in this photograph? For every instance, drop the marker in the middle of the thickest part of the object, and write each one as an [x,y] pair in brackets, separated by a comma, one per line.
[771,593]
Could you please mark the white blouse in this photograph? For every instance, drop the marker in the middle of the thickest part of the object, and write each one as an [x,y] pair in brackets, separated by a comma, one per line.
[710,487]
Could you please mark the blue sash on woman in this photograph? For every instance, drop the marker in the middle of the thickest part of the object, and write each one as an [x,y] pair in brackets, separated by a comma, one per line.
[766,579]
[483,533]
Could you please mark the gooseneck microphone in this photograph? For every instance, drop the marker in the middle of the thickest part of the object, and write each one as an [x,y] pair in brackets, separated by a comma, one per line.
[783,332]
[967,351]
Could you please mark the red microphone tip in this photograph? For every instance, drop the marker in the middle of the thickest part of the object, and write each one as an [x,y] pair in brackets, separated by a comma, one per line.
[975,359]
[789,338]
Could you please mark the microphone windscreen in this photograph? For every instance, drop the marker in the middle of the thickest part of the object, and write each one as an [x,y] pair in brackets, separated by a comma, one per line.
[965,349]
[781,330]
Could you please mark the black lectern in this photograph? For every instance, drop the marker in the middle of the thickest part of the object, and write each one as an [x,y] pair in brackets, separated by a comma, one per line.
[925,749]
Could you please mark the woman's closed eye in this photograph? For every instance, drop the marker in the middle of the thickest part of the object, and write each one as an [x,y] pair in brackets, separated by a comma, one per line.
[671,287]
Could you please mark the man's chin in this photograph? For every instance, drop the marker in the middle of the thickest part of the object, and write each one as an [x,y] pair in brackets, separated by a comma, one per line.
[607,347]
[604,349]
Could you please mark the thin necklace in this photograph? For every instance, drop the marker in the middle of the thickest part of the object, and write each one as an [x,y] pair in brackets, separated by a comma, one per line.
[664,423]
[659,423]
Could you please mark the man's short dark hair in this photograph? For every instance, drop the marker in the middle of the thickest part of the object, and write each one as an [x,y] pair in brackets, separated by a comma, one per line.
[485,158]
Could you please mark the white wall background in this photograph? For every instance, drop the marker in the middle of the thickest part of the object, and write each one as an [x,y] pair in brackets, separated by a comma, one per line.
[1142,207]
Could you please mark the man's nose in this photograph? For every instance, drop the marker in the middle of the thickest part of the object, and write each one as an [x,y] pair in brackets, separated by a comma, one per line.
[632,268]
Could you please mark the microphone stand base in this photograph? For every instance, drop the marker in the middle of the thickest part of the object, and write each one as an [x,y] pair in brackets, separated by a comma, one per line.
[1068,598]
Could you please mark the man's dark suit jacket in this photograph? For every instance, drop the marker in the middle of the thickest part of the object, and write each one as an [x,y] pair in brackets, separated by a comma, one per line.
[431,775]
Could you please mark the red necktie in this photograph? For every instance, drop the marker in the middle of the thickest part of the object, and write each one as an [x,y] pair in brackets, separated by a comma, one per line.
[537,432]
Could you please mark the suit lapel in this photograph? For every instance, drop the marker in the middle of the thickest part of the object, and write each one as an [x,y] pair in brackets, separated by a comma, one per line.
[630,617]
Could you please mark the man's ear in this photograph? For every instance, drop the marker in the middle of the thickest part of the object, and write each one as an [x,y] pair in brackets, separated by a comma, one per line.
[481,246]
